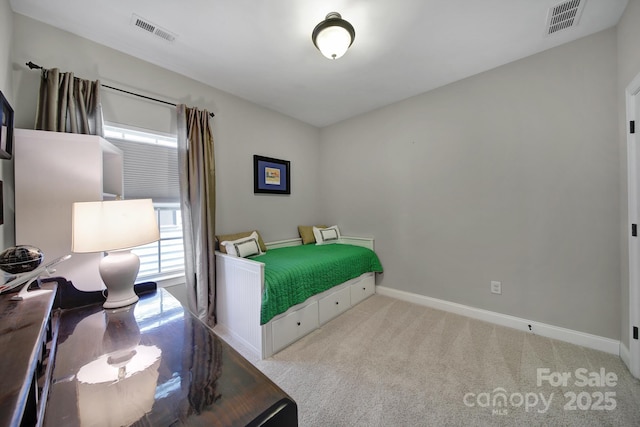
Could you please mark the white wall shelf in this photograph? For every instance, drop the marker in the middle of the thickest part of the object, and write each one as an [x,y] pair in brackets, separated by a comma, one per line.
[53,170]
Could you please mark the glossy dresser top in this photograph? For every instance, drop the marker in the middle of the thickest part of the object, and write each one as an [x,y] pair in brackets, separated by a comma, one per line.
[153,364]
[22,324]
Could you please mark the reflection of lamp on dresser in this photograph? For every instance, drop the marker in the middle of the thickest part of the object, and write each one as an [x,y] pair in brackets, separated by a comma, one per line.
[115,226]
[118,388]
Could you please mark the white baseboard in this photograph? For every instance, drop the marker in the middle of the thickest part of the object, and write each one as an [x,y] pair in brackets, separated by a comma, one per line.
[625,355]
[574,337]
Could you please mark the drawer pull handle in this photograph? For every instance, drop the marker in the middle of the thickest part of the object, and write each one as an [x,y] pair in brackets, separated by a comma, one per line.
[298,323]
[364,289]
[337,303]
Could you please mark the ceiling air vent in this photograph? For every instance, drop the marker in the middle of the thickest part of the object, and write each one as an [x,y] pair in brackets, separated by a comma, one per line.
[564,15]
[152,28]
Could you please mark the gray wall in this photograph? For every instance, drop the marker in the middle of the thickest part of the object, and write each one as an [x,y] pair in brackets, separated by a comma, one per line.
[6,36]
[628,67]
[510,175]
[240,128]
[7,235]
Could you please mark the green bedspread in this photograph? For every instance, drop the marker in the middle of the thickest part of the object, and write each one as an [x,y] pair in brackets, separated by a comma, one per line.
[293,274]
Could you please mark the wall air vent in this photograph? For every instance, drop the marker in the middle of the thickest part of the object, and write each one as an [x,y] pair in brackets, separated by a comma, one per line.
[149,27]
[564,15]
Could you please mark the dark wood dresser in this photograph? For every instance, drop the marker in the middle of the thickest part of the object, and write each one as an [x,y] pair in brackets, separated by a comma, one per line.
[27,342]
[151,364]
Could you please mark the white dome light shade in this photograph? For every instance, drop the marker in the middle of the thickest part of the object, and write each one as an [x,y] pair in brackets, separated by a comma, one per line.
[333,36]
[333,42]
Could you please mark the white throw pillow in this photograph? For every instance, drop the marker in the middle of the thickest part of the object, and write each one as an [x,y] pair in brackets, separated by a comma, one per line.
[244,247]
[326,235]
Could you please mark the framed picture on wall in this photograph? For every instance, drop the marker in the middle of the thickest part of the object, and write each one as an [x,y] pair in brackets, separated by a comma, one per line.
[271,175]
[1,205]
[6,137]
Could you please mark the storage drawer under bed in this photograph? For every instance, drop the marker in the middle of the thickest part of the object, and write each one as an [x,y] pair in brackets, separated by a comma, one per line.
[334,304]
[294,325]
[363,289]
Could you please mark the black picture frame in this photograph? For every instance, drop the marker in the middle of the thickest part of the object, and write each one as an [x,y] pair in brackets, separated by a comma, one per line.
[1,205]
[271,176]
[6,134]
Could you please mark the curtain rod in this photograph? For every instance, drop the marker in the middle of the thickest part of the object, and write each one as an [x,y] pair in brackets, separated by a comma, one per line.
[32,66]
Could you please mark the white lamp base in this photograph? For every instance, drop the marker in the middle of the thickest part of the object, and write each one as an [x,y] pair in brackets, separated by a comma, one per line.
[119,270]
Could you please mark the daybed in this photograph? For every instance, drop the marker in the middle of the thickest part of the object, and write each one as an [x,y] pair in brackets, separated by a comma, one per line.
[242,300]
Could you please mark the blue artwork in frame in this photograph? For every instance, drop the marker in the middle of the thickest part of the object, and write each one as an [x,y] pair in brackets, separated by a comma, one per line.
[271,176]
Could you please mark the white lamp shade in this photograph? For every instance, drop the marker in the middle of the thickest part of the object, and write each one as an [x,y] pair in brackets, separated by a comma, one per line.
[333,42]
[111,225]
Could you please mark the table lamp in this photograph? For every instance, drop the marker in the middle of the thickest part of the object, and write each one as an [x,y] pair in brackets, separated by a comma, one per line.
[115,227]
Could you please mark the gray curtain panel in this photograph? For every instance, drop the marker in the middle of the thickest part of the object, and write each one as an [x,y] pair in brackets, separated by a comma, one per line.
[69,104]
[196,168]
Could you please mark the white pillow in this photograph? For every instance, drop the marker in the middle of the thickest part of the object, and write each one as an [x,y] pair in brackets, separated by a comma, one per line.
[326,235]
[243,247]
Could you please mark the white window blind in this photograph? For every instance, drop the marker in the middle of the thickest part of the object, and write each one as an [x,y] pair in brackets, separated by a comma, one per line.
[151,171]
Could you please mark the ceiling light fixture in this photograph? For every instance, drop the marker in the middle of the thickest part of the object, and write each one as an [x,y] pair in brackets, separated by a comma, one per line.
[333,36]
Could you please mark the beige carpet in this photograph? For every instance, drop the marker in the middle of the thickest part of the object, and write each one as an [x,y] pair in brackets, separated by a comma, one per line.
[391,363]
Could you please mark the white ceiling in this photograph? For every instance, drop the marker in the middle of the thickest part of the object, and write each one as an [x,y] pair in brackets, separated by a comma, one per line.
[261,50]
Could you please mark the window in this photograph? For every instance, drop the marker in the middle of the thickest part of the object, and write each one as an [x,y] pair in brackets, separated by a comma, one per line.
[166,256]
[151,171]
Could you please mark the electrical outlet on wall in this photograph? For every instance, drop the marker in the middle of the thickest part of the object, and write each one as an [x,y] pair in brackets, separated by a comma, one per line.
[496,287]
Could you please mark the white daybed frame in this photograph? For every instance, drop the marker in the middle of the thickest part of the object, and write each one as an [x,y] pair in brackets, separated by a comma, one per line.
[240,284]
